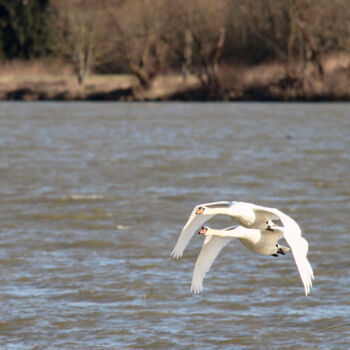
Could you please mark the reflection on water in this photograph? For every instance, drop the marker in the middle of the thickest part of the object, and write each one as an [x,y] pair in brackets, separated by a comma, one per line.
[93,197]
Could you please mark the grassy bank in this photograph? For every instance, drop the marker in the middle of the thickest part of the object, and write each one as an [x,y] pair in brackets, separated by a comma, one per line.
[45,80]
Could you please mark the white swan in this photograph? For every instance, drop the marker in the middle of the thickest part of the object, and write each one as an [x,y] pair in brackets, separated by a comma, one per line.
[245,214]
[259,241]
[262,239]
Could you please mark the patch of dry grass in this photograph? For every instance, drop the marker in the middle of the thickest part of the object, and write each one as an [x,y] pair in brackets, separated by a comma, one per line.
[296,81]
[43,79]
[54,80]
[34,70]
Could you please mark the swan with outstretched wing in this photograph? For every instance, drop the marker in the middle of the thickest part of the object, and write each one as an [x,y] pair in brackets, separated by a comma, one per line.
[257,232]
[245,214]
[263,242]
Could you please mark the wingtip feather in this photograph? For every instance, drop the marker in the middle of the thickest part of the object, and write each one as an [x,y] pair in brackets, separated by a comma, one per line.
[196,287]
[176,254]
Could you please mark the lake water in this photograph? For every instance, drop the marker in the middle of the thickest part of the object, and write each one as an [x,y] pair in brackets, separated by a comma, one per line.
[94,195]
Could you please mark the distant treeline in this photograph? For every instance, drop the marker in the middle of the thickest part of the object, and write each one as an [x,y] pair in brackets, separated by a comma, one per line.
[145,37]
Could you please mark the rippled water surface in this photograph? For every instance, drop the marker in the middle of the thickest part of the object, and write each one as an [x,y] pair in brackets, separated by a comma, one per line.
[93,197]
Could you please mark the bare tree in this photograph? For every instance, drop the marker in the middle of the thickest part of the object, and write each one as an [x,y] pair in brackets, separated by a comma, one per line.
[336,25]
[77,30]
[291,29]
[139,25]
[197,37]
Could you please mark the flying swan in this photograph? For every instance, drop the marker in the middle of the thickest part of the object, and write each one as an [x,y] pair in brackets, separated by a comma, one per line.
[257,232]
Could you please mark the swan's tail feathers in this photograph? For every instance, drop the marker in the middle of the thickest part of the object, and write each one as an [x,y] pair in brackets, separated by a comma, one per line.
[283,250]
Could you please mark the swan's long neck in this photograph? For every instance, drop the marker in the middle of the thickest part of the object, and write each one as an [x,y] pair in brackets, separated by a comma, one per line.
[243,214]
[221,233]
[217,211]
[238,232]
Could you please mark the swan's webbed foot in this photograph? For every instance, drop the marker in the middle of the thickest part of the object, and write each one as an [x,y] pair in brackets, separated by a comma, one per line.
[281,251]
[268,227]
[276,255]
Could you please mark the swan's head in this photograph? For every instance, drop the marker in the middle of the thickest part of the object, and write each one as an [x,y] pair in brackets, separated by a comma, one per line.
[200,210]
[203,230]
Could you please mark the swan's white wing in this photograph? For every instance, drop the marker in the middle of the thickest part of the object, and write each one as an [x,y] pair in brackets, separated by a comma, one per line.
[268,213]
[299,246]
[193,224]
[210,250]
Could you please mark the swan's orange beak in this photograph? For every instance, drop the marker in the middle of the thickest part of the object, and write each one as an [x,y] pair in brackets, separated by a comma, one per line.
[203,231]
[200,210]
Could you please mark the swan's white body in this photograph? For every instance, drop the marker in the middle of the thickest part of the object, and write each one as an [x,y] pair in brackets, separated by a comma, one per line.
[257,232]
[245,214]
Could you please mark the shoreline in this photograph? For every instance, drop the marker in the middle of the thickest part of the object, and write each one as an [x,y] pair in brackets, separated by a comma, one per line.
[24,93]
[273,82]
